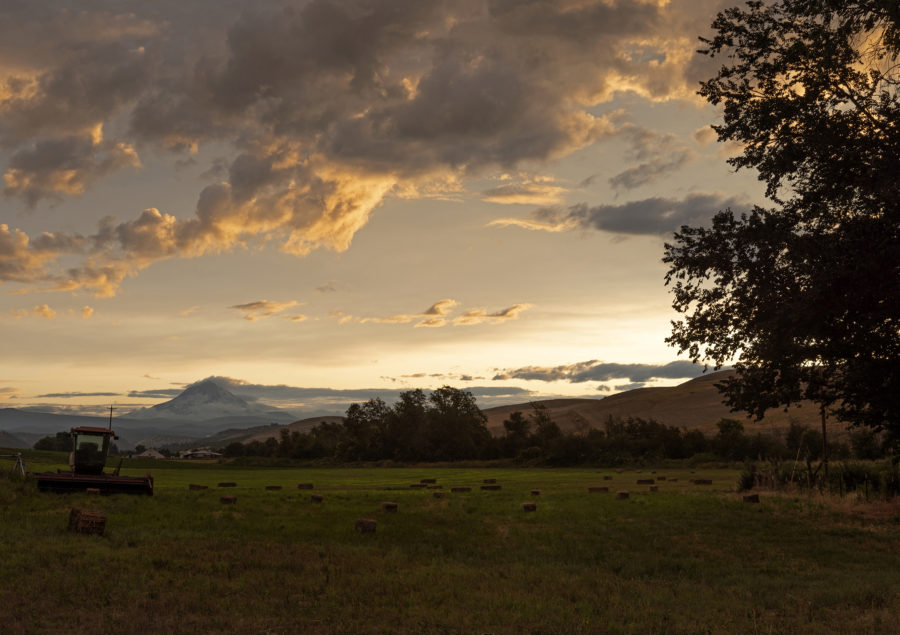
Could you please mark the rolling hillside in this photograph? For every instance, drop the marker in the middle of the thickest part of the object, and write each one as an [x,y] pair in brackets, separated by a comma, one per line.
[693,404]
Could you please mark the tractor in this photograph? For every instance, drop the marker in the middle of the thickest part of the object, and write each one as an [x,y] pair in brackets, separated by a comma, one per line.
[90,447]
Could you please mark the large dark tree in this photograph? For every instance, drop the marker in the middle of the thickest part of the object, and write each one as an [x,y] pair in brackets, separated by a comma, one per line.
[803,295]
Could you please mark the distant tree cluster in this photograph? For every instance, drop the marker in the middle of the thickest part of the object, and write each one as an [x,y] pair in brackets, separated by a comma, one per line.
[447,425]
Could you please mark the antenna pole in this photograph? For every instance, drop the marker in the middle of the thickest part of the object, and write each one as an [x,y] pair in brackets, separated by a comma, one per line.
[111,408]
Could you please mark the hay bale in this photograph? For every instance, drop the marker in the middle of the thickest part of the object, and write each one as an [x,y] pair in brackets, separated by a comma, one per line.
[439,494]
[93,491]
[460,489]
[87,521]
[227,484]
[654,488]
[365,525]
[417,485]
[428,480]
[304,485]
[389,507]
[660,478]
[529,507]
[491,488]
[620,470]
[316,498]
[489,480]
[598,490]
[702,481]
[535,492]
[645,481]
[607,478]
[197,487]
[228,500]
[273,488]
[435,487]
[751,498]
[673,480]
[622,495]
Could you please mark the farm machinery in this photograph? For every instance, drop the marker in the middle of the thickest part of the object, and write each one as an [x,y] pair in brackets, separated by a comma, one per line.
[90,447]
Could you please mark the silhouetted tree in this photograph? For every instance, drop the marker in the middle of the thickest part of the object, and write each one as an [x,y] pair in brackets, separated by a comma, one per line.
[805,295]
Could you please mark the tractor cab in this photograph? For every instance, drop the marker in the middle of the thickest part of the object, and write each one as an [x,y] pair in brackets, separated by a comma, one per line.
[90,447]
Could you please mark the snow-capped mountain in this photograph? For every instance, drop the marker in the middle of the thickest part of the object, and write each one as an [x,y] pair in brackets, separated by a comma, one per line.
[207,400]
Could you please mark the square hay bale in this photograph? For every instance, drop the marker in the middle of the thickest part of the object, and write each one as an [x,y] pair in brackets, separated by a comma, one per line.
[702,481]
[529,507]
[598,490]
[654,488]
[417,485]
[673,480]
[751,498]
[366,525]
[195,487]
[661,477]
[87,521]
[489,480]
[645,481]
[438,494]
[491,488]
[460,489]
[228,500]
[435,487]
[607,478]
[273,488]
[535,492]
[93,491]
[389,507]
[316,498]
[229,484]
[622,495]
[428,480]
[304,485]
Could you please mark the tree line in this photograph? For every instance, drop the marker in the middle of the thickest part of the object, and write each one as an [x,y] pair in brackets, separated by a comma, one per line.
[447,425]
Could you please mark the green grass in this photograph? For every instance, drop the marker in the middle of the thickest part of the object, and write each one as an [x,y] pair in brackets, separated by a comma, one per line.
[686,559]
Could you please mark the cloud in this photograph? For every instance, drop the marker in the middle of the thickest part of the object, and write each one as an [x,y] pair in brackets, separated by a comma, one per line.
[76,395]
[68,166]
[479,316]
[594,370]
[262,309]
[322,110]
[44,311]
[527,192]
[650,216]
[86,312]
[8,394]
[705,135]
[437,315]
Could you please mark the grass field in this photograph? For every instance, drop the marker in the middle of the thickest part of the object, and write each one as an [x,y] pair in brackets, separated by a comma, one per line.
[688,558]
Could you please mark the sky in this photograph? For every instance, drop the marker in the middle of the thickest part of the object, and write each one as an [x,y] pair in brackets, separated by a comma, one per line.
[317,201]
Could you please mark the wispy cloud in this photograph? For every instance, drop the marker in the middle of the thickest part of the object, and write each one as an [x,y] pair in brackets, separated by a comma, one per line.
[437,315]
[261,309]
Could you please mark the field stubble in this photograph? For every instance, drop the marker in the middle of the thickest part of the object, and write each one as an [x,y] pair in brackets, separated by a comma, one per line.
[688,558]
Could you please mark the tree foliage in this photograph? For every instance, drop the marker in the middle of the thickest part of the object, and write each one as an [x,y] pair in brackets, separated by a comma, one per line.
[804,295]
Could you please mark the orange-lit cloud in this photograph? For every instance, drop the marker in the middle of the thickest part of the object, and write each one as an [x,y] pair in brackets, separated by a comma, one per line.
[44,311]
[86,312]
[478,316]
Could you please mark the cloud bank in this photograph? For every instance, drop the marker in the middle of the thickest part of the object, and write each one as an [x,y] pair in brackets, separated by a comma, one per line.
[324,108]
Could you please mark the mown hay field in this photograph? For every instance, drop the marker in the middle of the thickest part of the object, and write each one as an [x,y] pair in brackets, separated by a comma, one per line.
[685,558]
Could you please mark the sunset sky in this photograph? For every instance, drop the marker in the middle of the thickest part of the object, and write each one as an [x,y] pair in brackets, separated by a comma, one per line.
[330,200]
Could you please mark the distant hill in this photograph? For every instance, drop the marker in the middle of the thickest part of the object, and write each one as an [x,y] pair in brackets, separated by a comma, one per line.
[696,403]
[11,441]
